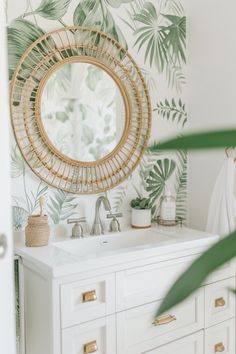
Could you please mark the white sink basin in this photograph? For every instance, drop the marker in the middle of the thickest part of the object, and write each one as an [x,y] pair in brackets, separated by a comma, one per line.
[97,246]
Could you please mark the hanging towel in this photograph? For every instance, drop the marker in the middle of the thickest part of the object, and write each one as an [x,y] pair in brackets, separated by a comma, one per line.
[222,210]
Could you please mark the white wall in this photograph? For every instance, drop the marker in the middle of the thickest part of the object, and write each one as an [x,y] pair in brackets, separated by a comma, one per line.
[212,91]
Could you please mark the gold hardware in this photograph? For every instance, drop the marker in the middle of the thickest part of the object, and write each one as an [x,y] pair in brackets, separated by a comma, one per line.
[219,348]
[90,347]
[89,296]
[220,302]
[164,320]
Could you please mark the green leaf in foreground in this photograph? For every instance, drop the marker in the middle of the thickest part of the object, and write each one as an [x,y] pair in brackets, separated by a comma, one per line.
[191,280]
[208,140]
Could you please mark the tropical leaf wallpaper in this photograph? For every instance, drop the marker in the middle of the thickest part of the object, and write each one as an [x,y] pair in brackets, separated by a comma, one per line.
[154,31]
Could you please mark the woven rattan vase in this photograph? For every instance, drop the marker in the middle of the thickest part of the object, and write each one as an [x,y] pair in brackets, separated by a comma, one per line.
[37,231]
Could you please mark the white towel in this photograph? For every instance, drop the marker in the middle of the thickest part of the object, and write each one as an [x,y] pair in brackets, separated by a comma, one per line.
[222,210]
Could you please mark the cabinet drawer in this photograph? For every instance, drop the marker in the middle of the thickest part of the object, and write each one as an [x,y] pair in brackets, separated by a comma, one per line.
[221,338]
[193,344]
[137,332]
[97,336]
[219,302]
[142,285]
[88,299]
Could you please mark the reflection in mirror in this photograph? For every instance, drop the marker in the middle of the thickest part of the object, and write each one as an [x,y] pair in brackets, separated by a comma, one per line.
[83,111]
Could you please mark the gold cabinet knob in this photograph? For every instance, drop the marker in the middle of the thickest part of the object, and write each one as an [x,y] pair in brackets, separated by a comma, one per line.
[220,302]
[160,321]
[89,296]
[219,348]
[90,347]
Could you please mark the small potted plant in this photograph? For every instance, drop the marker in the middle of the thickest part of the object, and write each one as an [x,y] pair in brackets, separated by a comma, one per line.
[141,213]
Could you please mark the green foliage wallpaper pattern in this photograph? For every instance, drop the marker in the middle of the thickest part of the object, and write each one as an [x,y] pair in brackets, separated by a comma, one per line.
[154,32]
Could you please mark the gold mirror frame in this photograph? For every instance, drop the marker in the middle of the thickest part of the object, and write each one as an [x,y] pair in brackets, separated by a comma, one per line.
[44,56]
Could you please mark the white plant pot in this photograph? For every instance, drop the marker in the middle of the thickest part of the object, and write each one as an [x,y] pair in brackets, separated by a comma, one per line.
[141,218]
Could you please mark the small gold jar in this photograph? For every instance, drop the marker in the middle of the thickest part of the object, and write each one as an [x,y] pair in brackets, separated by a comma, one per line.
[37,231]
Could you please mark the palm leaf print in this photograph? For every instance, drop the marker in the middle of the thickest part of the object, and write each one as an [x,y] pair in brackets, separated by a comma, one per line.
[158,176]
[61,206]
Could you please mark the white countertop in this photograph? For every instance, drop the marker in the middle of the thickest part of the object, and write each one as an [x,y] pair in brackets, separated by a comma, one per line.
[53,261]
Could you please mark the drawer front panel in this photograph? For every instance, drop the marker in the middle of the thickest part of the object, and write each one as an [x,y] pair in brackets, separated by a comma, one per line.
[221,338]
[149,283]
[219,302]
[193,344]
[97,336]
[86,300]
[138,331]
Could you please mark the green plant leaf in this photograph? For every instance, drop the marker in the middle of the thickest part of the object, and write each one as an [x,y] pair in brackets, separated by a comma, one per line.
[87,134]
[117,3]
[17,163]
[162,37]
[94,14]
[175,39]
[151,35]
[172,110]
[19,216]
[156,180]
[21,34]
[34,199]
[164,44]
[62,116]
[204,140]
[59,83]
[175,77]
[94,76]
[220,253]
[61,206]
[53,9]
[174,6]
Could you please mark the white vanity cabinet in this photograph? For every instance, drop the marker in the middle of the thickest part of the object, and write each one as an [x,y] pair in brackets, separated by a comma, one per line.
[111,309]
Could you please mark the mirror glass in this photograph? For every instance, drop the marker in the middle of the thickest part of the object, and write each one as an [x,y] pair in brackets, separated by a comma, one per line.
[83,111]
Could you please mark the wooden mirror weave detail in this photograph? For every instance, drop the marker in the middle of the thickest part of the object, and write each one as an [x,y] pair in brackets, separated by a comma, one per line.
[75,44]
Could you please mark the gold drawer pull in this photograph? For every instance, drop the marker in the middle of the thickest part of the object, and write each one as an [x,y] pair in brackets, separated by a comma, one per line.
[89,296]
[90,347]
[164,320]
[220,302]
[219,348]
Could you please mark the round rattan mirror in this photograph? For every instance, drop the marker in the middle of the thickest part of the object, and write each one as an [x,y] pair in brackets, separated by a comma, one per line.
[80,110]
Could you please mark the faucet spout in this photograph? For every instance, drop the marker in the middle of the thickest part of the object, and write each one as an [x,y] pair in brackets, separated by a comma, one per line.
[97,228]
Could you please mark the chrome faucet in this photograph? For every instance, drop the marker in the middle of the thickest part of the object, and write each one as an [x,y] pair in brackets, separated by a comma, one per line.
[97,228]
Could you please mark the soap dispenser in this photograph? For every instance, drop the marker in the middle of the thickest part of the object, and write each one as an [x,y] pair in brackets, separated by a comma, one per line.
[168,206]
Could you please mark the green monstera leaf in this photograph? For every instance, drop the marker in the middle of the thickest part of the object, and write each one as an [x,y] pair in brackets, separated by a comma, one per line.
[53,9]
[21,34]
[94,14]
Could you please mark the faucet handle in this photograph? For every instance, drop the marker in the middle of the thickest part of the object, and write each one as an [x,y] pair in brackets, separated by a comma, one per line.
[114,224]
[114,216]
[77,230]
[76,220]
